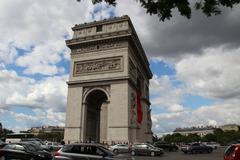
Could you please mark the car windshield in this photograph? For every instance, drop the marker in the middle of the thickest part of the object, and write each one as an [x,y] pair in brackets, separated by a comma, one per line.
[110,153]
[229,150]
[151,146]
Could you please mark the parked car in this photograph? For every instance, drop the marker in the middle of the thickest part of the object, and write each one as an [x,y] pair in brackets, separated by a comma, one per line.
[197,148]
[145,149]
[23,151]
[119,148]
[184,146]
[37,142]
[214,145]
[85,151]
[53,146]
[232,152]
[166,146]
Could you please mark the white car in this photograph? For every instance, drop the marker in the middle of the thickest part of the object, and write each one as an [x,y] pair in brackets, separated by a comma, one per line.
[214,145]
[119,148]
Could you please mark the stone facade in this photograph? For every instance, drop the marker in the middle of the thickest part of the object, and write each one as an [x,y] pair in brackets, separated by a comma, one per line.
[108,68]
[230,127]
[200,131]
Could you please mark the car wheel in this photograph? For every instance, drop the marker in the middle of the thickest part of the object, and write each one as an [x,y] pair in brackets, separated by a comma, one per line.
[115,151]
[152,154]
[209,151]
[133,153]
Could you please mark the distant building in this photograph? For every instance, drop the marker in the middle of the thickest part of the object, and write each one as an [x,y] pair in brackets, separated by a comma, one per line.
[230,127]
[47,129]
[201,131]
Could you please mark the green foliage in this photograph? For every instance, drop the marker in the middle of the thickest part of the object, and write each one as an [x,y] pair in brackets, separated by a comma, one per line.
[224,138]
[155,138]
[4,132]
[163,8]
[176,138]
[209,138]
[55,137]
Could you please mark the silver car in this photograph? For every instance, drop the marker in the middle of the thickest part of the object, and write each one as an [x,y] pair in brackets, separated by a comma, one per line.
[86,151]
[119,148]
[145,149]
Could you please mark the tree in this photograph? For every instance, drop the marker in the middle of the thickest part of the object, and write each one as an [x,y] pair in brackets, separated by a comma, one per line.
[155,138]
[4,132]
[163,8]
[209,138]
[55,136]
[176,138]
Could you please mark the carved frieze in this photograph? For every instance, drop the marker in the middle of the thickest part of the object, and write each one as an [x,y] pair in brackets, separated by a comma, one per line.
[133,109]
[98,47]
[149,120]
[132,70]
[98,66]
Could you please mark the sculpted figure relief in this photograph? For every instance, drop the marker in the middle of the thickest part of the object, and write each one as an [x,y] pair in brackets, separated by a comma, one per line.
[97,66]
[96,47]
[133,108]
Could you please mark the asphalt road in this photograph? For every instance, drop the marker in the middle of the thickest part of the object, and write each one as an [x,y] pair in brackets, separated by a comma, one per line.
[215,155]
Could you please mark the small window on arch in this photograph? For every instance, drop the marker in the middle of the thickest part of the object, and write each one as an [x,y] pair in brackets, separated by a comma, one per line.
[99,28]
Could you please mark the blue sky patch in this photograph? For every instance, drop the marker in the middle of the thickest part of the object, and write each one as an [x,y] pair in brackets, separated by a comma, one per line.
[195,101]
[161,68]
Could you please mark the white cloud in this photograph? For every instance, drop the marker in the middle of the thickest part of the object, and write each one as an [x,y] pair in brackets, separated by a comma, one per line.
[46,98]
[164,94]
[213,74]
[7,53]
[39,27]
[25,121]
[48,93]
[176,38]
[43,58]
[176,108]
[102,11]
[217,115]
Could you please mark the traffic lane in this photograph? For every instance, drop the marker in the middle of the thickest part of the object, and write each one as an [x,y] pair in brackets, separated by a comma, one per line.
[179,155]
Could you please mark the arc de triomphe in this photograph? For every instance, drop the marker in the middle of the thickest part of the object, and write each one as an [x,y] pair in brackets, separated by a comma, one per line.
[108,87]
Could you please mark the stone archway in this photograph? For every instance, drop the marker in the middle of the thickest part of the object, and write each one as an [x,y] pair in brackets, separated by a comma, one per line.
[103,84]
[96,116]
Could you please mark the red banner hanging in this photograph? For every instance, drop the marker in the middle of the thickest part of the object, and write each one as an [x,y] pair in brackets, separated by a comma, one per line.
[139,108]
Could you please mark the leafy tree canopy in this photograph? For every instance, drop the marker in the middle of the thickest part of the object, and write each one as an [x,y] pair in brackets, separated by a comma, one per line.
[163,8]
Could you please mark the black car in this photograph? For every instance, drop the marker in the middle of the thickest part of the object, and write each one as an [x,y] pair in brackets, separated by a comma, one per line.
[166,146]
[87,151]
[197,148]
[2,144]
[145,149]
[23,151]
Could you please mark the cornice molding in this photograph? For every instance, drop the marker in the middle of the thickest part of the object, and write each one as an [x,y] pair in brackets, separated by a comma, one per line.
[102,22]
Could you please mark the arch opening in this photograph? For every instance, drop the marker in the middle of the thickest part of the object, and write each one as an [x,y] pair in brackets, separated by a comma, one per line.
[96,111]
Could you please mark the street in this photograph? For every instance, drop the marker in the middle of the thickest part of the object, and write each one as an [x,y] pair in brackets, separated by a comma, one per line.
[215,155]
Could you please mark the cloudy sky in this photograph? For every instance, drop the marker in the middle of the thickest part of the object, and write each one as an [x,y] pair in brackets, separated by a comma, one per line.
[196,63]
